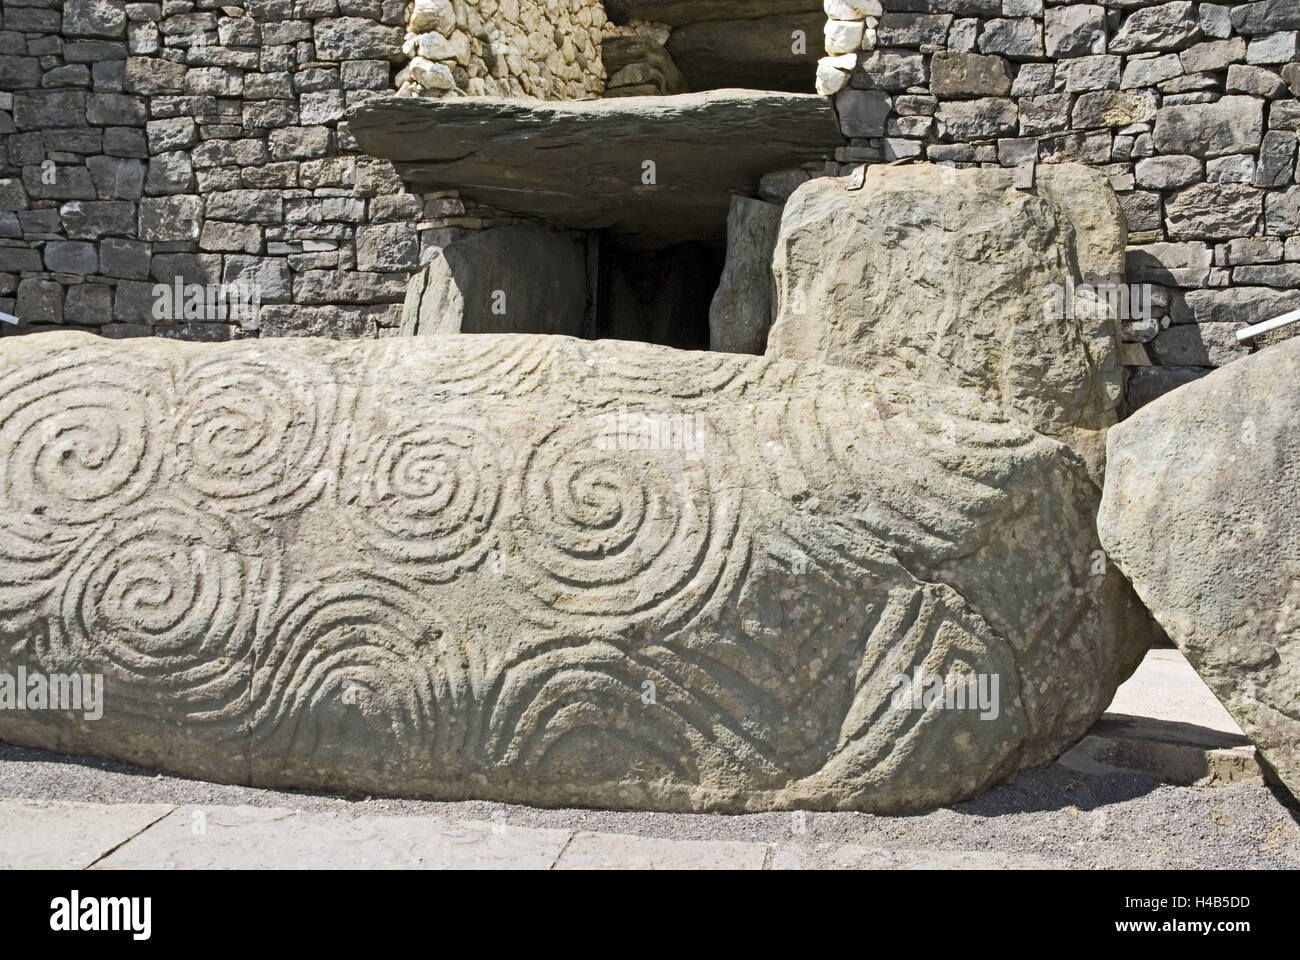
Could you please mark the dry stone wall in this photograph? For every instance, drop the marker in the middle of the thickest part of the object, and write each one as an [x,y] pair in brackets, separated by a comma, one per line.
[548,49]
[159,161]
[1190,108]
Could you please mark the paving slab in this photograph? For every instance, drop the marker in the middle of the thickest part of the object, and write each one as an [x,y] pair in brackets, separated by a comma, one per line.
[859,857]
[606,851]
[226,838]
[54,835]
[1164,721]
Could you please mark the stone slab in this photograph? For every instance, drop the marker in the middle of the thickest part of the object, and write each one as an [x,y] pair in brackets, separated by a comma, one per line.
[53,835]
[657,170]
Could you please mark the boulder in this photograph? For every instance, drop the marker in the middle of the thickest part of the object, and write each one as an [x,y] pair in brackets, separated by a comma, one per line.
[741,313]
[512,279]
[1202,513]
[544,570]
[663,173]
[757,53]
[955,276]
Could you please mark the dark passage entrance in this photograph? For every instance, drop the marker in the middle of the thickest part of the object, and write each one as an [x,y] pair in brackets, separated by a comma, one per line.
[660,296]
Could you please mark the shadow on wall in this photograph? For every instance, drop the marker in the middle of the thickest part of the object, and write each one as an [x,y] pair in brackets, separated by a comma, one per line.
[525,279]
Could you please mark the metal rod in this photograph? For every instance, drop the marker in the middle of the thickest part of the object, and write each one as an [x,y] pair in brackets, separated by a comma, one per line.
[1245,333]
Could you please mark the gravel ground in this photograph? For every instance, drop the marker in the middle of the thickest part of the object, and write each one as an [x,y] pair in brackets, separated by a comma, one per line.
[1054,813]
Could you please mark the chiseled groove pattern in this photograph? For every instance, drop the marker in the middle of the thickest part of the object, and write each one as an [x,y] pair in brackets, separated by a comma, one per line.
[191,589]
[425,495]
[353,640]
[253,432]
[82,434]
[615,535]
[166,599]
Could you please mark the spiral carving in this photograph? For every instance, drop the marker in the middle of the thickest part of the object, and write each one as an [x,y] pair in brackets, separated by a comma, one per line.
[165,602]
[617,533]
[254,433]
[81,436]
[427,496]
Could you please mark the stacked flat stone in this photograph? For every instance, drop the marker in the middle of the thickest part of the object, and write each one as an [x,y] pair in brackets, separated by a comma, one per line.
[1190,108]
[146,142]
[505,48]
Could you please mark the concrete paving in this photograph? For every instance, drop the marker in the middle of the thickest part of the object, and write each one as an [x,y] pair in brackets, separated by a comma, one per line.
[1092,812]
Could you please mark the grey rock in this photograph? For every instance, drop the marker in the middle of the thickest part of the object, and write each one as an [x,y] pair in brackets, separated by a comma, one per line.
[1266,16]
[94,219]
[1167,172]
[969,75]
[889,70]
[1214,211]
[1283,213]
[1241,305]
[1076,30]
[397,557]
[127,259]
[1232,125]
[1016,38]
[744,306]
[1238,168]
[93,18]
[387,247]
[1254,81]
[986,118]
[1167,26]
[89,304]
[752,53]
[1274,48]
[1111,108]
[535,158]
[1218,564]
[855,269]
[1149,71]
[1150,383]
[39,301]
[679,12]
[1171,264]
[1089,73]
[1213,55]
[71,256]
[171,218]
[170,172]
[513,279]
[1198,345]
[116,178]
[862,113]
[356,38]
[1039,115]
[913,29]
[1215,20]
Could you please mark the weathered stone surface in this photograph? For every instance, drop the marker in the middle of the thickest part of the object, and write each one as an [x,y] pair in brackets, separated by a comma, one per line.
[1168,26]
[891,278]
[986,118]
[676,12]
[969,75]
[512,279]
[1202,513]
[1076,30]
[537,158]
[748,53]
[742,309]
[462,569]
[1232,125]
[1214,211]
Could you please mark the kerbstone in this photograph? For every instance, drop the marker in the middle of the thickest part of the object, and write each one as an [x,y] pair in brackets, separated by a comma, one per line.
[1219,563]
[362,620]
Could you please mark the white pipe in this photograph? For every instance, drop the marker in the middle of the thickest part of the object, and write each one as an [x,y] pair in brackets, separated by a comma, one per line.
[8,318]
[1245,333]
